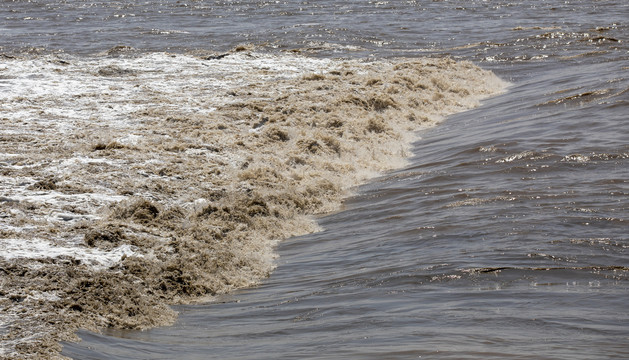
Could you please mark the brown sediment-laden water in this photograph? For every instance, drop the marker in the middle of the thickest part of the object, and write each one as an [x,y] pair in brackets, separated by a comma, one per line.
[134,183]
[318,180]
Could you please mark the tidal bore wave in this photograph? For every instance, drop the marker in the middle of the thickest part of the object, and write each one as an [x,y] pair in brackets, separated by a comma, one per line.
[129,183]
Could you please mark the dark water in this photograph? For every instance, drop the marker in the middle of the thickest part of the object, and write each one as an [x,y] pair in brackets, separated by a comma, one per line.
[505,237]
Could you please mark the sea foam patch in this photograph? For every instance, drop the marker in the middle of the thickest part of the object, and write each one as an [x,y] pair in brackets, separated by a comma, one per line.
[19,248]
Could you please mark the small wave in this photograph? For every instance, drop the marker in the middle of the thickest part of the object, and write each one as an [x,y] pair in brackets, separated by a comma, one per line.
[498,269]
[601,242]
[524,155]
[523,28]
[490,148]
[583,97]
[580,158]
[165,32]
[479,201]
[585,55]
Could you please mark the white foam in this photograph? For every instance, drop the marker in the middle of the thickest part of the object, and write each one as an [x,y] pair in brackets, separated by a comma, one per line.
[46,94]
[130,139]
[103,97]
[36,248]
[55,95]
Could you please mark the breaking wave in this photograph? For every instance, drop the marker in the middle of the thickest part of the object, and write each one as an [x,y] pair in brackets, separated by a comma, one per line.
[129,183]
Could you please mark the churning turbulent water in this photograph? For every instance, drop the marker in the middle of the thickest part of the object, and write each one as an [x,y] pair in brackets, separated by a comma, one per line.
[505,237]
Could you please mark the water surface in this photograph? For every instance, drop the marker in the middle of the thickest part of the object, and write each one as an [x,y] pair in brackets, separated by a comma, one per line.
[506,235]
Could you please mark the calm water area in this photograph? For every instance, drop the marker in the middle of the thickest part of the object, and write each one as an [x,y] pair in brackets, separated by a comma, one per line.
[506,235]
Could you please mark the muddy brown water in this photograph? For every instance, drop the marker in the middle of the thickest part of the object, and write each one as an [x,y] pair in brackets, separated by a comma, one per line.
[503,236]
